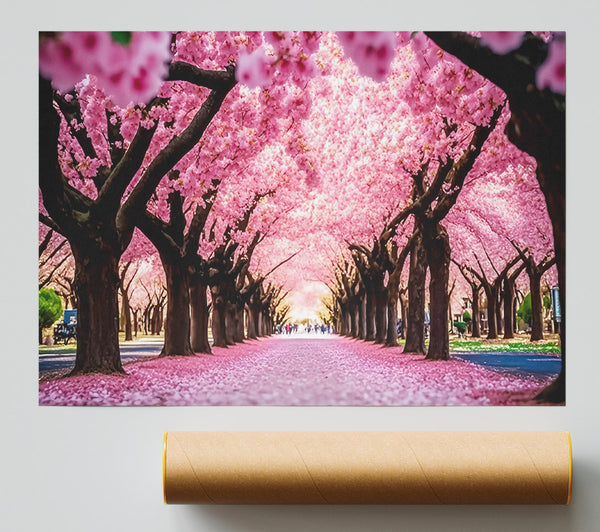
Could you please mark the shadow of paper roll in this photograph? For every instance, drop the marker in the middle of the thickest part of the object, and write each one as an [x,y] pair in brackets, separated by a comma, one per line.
[367,468]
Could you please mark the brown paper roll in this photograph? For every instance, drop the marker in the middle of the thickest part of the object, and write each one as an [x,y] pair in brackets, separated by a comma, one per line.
[367,467]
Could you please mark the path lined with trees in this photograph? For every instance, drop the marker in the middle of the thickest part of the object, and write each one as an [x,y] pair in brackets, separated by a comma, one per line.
[210,181]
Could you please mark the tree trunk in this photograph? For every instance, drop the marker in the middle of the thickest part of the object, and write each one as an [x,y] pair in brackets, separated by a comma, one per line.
[252,321]
[370,314]
[499,320]
[437,248]
[148,313]
[238,332]
[154,320]
[391,339]
[127,316]
[476,333]
[537,319]
[177,324]
[509,299]
[403,313]
[122,313]
[260,328]
[353,311]
[230,323]
[199,318]
[146,319]
[96,285]
[264,324]
[135,322]
[345,321]
[362,317]
[491,313]
[218,317]
[415,323]
[160,317]
[381,311]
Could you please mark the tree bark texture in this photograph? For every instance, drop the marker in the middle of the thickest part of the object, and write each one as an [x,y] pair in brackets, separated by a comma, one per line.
[403,312]
[381,310]
[96,285]
[218,317]
[362,316]
[492,298]
[239,333]
[415,323]
[437,249]
[537,317]
[199,318]
[177,324]
[509,300]
[253,317]
[354,319]
[230,323]
[499,320]
[476,333]
[126,316]
[370,313]
[391,339]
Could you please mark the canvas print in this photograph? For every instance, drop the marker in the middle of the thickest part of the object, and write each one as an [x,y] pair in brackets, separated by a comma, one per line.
[302,218]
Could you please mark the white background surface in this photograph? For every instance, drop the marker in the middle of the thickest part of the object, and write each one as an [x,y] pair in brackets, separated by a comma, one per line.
[99,469]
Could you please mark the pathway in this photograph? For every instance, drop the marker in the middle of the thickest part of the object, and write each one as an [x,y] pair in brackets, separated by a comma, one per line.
[296,370]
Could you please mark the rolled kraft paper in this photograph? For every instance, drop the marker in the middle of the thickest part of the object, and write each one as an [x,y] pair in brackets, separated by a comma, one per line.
[367,467]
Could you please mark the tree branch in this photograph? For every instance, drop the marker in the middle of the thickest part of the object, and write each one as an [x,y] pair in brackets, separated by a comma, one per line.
[45,242]
[49,276]
[170,155]
[72,112]
[49,222]
[459,169]
[215,80]
[109,197]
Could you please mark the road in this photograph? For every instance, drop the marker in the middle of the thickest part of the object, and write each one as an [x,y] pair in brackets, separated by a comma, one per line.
[517,363]
[60,361]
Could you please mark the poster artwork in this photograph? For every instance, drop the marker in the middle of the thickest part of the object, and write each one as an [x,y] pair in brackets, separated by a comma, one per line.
[302,218]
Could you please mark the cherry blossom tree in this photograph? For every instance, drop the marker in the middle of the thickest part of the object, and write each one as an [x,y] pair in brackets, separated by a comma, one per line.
[100,164]
[99,225]
[532,73]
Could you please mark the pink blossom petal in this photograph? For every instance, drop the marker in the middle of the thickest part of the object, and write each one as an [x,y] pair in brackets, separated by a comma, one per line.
[502,42]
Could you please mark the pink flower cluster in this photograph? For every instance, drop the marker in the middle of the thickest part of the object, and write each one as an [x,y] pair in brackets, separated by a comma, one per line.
[252,69]
[285,55]
[372,51]
[552,73]
[502,42]
[131,73]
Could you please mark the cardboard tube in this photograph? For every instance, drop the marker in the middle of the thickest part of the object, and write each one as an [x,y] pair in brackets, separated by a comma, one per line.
[367,467]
